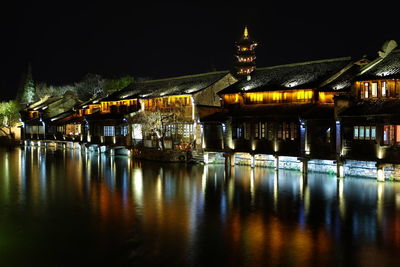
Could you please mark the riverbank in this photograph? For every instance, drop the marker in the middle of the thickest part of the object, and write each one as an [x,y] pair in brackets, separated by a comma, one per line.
[168,155]
[7,142]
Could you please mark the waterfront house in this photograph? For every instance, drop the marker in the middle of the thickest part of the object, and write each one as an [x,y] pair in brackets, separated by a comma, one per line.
[170,109]
[370,117]
[285,110]
[37,115]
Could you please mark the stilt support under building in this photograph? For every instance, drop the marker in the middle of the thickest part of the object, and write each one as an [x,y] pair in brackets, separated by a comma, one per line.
[380,173]
[339,169]
[276,165]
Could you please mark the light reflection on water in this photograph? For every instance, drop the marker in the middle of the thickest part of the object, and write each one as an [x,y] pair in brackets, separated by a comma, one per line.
[114,210]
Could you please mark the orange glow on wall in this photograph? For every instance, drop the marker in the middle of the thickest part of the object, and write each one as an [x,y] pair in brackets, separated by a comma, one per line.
[33,114]
[288,96]
[106,105]
[381,88]
[167,102]
[326,97]
[231,98]
[292,96]
[88,110]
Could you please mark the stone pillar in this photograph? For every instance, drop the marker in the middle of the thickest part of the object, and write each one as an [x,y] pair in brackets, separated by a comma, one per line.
[232,159]
[339,169]
[380,173]
[304,167]
[252,160]
[205,157]
[276,165]
[229,159]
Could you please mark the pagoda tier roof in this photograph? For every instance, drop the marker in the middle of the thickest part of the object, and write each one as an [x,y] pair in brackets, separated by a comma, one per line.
[246,42]
[302,75]
[245,64]
[246,53]
[182,85]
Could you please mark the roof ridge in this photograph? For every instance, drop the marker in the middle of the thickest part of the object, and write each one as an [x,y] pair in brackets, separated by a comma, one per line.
[305,63]
[185,76]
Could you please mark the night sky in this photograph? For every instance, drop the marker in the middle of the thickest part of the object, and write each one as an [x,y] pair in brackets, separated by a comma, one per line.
[64,42]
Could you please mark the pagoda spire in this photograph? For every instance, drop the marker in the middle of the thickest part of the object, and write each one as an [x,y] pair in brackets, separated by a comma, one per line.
[246,33]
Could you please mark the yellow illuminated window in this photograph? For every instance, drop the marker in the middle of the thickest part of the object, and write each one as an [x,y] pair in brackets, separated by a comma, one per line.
[256,98]
[276,96]
[300,95]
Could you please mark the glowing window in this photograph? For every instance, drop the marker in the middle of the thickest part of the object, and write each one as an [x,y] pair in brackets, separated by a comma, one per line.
[109,130]
[397,133]
[361,130]
[137,131]
[374,89]
[373,132]
[276,96]
[384,89]
[262,130]
[300,95]
[366,89]
[187,130]
[386,134]
[367,132]
[355,132]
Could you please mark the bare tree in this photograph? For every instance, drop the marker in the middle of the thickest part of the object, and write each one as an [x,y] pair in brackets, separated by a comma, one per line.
[92,85]
[155,121]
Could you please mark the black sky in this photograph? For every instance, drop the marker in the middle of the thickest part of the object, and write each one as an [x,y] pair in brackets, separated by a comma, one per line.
[63,42]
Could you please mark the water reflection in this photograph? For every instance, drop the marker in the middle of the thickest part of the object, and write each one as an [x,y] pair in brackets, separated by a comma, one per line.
[126,212]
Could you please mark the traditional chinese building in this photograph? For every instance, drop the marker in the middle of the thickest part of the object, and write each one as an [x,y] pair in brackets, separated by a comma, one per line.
[285,110]
[171,108]
[370,117]
[37,116]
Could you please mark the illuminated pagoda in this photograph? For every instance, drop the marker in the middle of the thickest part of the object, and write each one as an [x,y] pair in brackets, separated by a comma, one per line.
[245,55]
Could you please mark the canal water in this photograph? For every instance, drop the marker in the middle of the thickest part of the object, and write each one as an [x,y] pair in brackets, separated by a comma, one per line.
[63,208]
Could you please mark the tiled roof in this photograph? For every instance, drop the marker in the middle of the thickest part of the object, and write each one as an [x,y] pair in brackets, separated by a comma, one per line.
[171,86]
[389,67]
[291,76]
[40,105]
